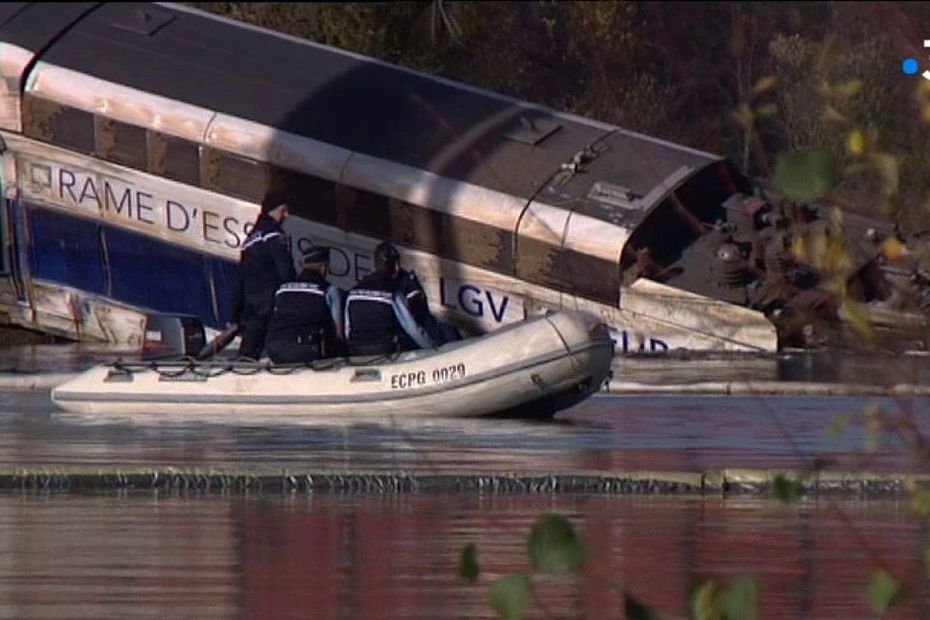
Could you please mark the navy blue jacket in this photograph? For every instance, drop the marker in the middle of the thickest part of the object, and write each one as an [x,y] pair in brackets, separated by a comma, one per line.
[264,265]
[305,308]
[382,313]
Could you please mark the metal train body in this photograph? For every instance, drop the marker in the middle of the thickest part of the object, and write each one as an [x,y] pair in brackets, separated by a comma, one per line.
[138,140]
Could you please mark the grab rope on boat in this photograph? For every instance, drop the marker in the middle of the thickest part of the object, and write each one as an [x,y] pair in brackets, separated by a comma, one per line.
[241,366]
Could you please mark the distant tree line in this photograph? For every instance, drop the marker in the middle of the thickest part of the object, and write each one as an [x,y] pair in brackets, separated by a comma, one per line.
[748,80]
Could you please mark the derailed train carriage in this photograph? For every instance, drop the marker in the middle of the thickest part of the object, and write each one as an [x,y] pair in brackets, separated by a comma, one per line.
[138,140]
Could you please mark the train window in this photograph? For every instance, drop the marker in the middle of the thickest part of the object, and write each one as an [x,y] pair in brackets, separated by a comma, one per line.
[309,197]
[369,215]
[120,143]
[538,262]
[568,270]
[346,197]
[174,158]
[233,175]
[61,125]
[415,226]
[477,244]
[588,276]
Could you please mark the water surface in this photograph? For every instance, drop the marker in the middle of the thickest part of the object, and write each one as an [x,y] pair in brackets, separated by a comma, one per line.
[150,555]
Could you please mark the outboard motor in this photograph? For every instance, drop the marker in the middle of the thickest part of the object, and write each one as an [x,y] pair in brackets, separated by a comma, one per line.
[172,335]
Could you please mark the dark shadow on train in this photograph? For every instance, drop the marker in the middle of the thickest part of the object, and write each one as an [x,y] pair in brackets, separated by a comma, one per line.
[473,137]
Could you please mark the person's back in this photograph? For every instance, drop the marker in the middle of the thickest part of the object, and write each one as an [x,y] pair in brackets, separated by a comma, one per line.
[264,264]
[379,315]
[307,320]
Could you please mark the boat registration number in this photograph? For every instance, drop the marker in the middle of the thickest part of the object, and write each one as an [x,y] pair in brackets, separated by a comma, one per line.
[443,374]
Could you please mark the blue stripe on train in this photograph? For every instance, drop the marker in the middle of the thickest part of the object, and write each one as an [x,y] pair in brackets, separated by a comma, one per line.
[129,267]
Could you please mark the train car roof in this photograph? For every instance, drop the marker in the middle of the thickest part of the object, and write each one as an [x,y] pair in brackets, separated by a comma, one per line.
[333,96]
[35,26]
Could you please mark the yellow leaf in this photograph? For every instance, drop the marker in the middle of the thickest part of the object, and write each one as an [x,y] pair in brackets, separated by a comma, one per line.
[850,88]
[767,110]
[764,84]
[892,248]
[799,249]
[857,317]
[855,142]
[832,115]
[887,167]
[744,116]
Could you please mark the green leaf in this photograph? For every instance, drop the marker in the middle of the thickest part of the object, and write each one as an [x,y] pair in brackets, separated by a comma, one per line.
[744,116]
[832,115]
[707,600]
[805,175]
[837,427]
[767,110]
[850,88]
[786,490]
[884,591]
[553,545]
[468,563]
[742,600]
[711,600]
[873,424]
[920,501]
[509,595]
[635,610]
[858,318]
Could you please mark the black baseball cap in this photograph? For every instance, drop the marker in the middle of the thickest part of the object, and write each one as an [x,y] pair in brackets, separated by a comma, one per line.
[273,200]
[316,254]
[386,255]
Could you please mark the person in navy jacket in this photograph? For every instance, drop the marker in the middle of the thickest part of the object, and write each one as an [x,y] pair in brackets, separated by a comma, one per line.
[307,320]
[387,311]
[264,265]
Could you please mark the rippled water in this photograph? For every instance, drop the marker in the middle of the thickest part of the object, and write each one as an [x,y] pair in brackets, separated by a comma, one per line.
[606,433]
[395,556]
[244,555]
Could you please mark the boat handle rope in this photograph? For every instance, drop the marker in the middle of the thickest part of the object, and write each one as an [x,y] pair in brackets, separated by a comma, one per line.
[240,366]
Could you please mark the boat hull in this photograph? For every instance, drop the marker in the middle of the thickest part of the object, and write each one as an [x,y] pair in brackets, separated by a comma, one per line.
[533,367]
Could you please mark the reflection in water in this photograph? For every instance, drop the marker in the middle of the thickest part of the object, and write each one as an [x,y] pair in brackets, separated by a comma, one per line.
[395,556]
[607,433]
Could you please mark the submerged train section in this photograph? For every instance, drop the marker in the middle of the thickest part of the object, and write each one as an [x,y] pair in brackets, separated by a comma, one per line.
[138,140]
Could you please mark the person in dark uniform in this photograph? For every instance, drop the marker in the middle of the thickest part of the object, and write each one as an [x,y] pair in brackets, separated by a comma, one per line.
[307,320]
[265,263]
[387,311]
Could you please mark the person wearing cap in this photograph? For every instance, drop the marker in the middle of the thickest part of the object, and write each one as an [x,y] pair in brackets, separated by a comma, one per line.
[265,263]
[307,320]
[387,310]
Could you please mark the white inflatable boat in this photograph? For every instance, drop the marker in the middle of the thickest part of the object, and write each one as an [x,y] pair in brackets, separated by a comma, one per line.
[534,368]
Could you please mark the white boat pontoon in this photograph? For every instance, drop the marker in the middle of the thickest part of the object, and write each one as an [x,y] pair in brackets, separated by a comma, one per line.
[534,368]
